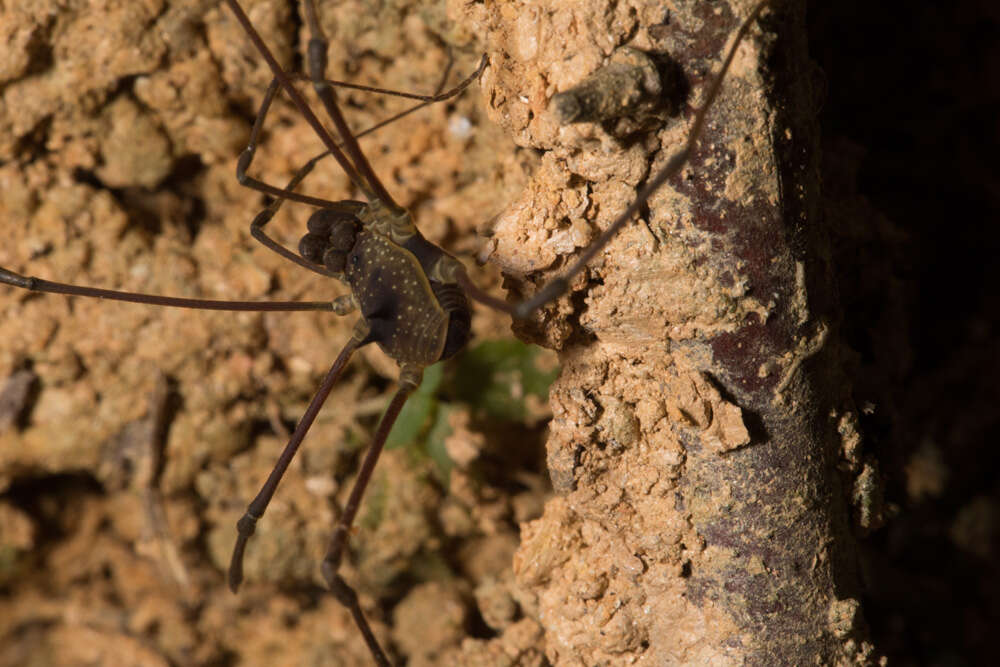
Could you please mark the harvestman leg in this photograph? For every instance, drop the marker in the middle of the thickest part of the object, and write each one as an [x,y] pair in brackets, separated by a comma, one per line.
[288,192]
[341,306]
[281,194]
[356,166]
[262,218]
[248,522]
[408,381]
[33,284]
[317,59]
[560,285]
[410,378]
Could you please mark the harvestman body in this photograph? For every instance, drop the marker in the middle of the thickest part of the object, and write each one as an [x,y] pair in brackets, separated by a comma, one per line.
[410,294]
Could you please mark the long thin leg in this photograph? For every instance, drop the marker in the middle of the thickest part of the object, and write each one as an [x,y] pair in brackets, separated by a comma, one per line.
[287,193]
[262,218]
[338,541]
[436,96]
[39,285]
[246,157]
[317,72]
[447,70]
[300,102]
[558,286]
[473,292]
[280,195]
[248,522]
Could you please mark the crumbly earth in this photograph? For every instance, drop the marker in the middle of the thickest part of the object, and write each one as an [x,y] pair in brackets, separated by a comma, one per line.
[693,447]
[134,436]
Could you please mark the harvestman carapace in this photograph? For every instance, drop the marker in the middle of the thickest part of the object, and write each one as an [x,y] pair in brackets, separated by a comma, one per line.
[411,295]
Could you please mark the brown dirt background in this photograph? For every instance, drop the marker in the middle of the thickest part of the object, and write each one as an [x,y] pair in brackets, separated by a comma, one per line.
[120,124]
[119,127]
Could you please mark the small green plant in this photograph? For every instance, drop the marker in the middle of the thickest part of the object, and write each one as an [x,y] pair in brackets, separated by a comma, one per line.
[492,379]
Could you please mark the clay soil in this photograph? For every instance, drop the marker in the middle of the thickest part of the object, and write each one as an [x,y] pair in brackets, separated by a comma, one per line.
[637,517]
[136,435]
[133,436]
[140,434]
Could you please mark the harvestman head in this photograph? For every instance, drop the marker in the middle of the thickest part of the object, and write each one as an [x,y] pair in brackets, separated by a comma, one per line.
[411,295]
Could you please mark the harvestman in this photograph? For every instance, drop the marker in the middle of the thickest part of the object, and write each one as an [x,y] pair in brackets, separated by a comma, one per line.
[412,296]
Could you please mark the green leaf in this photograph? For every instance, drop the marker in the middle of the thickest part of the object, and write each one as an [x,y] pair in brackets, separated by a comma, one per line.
[436,450]
[375,503]
[416,414]
[496,377]
[432,380]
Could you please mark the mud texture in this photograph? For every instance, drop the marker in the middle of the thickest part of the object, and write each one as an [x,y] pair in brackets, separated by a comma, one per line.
[701,517]
[133,436]
[703,449]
